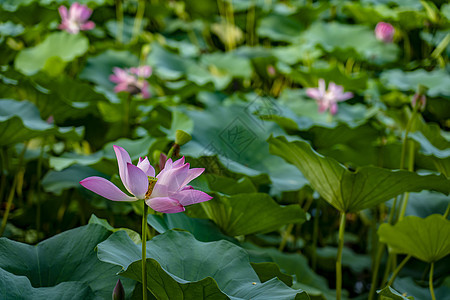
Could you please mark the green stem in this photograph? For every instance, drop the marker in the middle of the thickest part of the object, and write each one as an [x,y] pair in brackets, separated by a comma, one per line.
[376,266]
[286,235]
[388,267]
[8,205]
[38,188]
[144,252]
[169,155]
[13,188]
[138,20]
[397,270]
[119,16]
[339,257]
[433,297]
[251,25]
[447,212]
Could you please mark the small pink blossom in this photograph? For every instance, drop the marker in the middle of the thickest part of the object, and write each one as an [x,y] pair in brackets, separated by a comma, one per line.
[384,32]
[132,80]
[76,18]
[328,99]
[420,101]
[169,192]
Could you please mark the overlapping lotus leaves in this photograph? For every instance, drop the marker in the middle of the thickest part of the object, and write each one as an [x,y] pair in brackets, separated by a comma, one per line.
[352,191]
[437,81]
[21,121]
[61,46]
[67,260]
[179,266]
[426,239]
[238,137]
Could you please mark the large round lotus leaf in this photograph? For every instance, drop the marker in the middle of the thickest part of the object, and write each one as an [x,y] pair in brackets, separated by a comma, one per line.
[180,267]
[352,191]
[63,45]
[426,239]
[66,258]
[437,81]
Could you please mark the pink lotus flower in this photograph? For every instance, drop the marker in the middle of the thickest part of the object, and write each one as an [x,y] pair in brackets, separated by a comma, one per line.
[132,80]
[328,99]
[384,32]
[167,193]
[76,18]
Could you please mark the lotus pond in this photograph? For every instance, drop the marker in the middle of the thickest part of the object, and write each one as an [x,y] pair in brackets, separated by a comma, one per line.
[229,149]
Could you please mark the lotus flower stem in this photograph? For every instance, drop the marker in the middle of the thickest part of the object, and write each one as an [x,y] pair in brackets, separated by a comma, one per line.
[376,267]
[339,257]
[119,15]
[138,20]
[144,251]
[447,212]
[433,297]
[13,189]
[398,269]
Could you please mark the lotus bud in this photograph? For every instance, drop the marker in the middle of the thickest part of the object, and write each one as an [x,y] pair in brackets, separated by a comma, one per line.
[384,32]
[118,292]
[182,137]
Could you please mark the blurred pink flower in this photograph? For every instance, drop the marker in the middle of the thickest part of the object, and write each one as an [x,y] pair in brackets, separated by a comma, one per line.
[328,99]
[421,98]
[167,193]
[384,32]
[76,18]
[132,80]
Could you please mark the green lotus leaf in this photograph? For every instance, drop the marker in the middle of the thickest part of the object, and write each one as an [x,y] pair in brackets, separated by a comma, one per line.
[437,81]
[203,230]
[390,293]
[237,135]
[21,121]
[352,191]
[426,239]
[350,41]
[66,258]
[14,287]
[179,266]
[245,214]
[63,45]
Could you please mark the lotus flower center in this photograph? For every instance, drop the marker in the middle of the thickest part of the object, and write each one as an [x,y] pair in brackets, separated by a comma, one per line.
[151,185]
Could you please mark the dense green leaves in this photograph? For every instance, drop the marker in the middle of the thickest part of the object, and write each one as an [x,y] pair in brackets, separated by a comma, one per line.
[21,121]
[215,270]
[427,239]
[348,190]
